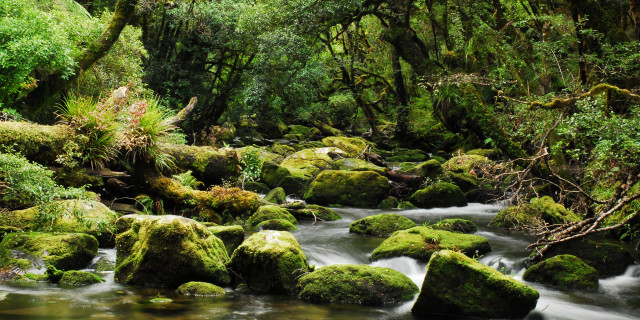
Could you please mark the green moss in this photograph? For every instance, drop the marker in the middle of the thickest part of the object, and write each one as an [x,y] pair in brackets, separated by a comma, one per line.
[203,289]
[429,169]
[439,194]
[351,164]
[466,163]
[36,142]
[276,224]
[277,196]
[406,205]
[299,129]
[565,271]
[270,212]
[493,154]
[231,236]
[388,203]
[421,242]
[166,251]
[355,188]
[464,181]
[208,164]
[456,225]
[352,146]
[282,149]
[257,187]
[536,214]
[456,285]
[609,259]
[311,212]
[356,284]
[270,262]
[381,224]
[79,278]
[61,250]
[104,265]
[407,155]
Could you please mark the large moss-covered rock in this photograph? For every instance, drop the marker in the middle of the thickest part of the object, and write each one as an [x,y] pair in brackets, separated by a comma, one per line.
[466,163]
[209,165]
[456,285]
[167,251]
[352,164]
[609,259]
[356,284]
[270,212]
[96,219]
[270,262]
[309,162]
[381,224]
[464,181]
[202,289]
[353,188]
[32,251]
[456,225]
[565,271]
[439,194]
[231,236]
[277,196]
[311,212]
[421,242]
[352,146]
[536,214]
[407,155]
[79,278]
[276,224]
[428,169]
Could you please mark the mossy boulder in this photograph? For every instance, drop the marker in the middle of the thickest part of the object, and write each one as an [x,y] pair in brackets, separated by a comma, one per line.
[79,278]
[231,236]
[565,271]
[97,219]
[257,187]
[270,212]
[282,150]
[167,251]
[269,262]
[311,212]
[208,164]
[352,164]
[299,129]
[381,224]
[352,188]
[466,163]
[493,154]
[389,203]
[456,285]
[33,251]
[406,205]
[276,224]
[535,214]
[356,284]
[308,162]
[609,259]
[428,169]
[407,155]
[277,196]
[351,146]
[202,289]
[421,242]
[456,225]
[466,182]
[439,194]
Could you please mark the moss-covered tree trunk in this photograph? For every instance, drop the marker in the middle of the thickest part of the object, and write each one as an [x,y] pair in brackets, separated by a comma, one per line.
[48,89]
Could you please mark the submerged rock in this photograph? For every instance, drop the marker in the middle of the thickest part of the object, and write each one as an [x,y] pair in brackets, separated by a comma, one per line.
[269,262]
[231,236]
[166,251]
[456,225]
[381,224]
[79,278]
[421,242]
[439,194]
[33,251]
[534,215]
[565,271]
[356,284]
[352,188]
[456,285]
[203,289]
[270,212]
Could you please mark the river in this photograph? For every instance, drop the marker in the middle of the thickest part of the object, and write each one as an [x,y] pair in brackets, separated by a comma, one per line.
[324,243]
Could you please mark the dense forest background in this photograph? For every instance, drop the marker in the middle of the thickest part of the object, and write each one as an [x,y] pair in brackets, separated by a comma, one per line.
[554,85]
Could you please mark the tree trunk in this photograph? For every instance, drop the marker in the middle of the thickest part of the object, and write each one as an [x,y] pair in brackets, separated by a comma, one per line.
[402,98]
[49,88]
[635,14]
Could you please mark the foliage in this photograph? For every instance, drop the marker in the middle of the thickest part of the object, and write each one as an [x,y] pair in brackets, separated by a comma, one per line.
[252,161]
[187,180]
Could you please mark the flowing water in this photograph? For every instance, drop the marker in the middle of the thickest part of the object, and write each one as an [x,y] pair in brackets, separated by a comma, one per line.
[324,243]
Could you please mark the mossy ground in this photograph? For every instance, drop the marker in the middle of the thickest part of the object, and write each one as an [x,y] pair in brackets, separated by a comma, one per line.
[356,284]
[421,242]
[381,224]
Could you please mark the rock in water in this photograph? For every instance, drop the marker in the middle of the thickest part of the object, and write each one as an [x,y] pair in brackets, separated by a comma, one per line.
[269,262]
[167,251]
[565,271]
[356,284]
[457,285]
[439,194]
[352,188]
[381,224]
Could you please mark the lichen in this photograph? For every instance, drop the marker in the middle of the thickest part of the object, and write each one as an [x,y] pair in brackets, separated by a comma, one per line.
[356,284]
